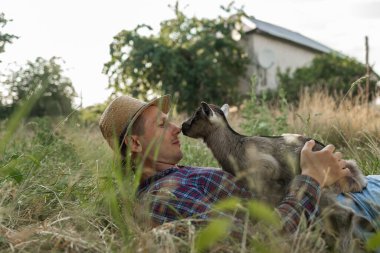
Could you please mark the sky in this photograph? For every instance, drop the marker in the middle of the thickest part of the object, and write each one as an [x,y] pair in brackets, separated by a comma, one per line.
[80,31]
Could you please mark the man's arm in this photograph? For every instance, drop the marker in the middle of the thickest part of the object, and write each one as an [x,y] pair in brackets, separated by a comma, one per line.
[302,199]
[319,169]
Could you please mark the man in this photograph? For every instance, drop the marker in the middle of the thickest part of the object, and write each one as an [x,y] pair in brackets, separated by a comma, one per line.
[143,131]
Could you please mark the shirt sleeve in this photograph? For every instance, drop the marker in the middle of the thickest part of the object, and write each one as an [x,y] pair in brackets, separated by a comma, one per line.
[302,199]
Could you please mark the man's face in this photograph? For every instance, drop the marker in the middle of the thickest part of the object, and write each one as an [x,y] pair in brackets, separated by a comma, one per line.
[160,139]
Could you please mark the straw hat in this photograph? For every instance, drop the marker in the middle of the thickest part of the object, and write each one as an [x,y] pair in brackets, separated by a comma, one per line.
[122,112]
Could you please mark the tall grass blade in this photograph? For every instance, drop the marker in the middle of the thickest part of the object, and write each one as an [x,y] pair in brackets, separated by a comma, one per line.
[21,112]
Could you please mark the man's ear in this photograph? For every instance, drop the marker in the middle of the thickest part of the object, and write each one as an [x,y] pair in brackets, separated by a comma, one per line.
[134,143]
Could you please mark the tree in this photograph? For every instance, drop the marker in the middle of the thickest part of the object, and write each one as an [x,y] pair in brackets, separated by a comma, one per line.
[58,90]
[334,72]
[193,58]
[5,37]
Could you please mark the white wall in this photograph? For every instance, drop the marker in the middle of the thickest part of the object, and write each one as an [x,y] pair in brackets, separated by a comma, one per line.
[286,55]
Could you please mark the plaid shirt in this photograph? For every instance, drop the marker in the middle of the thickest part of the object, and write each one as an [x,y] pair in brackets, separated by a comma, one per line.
[191,191]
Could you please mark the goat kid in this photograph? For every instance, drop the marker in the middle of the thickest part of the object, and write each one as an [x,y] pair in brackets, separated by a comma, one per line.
[267,164]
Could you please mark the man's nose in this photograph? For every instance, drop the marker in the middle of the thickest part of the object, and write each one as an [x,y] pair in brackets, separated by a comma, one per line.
[176,129]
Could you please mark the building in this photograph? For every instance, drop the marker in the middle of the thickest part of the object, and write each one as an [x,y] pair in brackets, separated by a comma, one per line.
[272,48]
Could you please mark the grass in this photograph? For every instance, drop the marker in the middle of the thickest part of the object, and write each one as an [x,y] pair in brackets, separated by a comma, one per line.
[61,190]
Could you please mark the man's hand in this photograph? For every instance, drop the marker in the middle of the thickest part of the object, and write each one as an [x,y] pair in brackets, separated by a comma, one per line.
[325,166]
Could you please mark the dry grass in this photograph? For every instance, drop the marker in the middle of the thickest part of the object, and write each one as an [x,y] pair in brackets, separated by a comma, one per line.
[352,126]
[332,118]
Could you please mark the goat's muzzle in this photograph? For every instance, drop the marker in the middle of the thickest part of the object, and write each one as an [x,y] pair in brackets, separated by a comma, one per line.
[185,128]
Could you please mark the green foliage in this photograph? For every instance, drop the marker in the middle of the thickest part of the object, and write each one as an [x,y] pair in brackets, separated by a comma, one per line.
[5,38]
[91,114]
[42,148]
[189,56]
[40,165]
[373,242]
[20,113]
[58,94]
[228,204]
[60,191]
[216,230]
[5,110]
[334,72]
[262,212]
[258,116]
[196,153]
[43,179]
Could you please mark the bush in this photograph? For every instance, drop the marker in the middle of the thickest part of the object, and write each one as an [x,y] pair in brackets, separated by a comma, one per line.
[337,74]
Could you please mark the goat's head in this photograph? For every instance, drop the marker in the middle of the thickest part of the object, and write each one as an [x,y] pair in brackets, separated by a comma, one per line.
[205,120]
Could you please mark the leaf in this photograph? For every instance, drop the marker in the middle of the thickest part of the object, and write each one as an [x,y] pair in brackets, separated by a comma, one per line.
[216,230]
[16,175]
[34,160]
[373,242]
[228,204]
[263,213]
[188,56]
[15,156]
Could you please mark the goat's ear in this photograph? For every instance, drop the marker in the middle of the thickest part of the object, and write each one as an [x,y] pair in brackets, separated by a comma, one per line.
[225,109]
[206,109]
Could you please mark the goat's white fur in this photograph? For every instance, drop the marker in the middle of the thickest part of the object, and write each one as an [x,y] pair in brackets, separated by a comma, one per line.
[225,108]
[291,138]
[214,118]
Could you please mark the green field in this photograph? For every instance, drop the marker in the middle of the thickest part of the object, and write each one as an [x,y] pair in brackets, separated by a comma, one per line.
[62,191]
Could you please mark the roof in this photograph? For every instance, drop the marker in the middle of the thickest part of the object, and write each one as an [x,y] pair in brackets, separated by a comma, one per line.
[253,24]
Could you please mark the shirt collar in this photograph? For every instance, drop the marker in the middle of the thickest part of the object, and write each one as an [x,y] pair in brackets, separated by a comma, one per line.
[155,177]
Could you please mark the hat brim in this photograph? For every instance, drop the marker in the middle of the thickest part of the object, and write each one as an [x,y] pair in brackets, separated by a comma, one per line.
[163,103]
